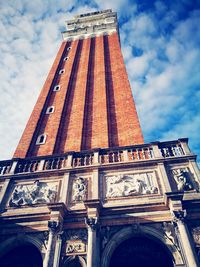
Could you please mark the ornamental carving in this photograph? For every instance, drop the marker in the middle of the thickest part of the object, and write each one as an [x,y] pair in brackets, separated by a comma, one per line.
[196,235]
[169,231]
[182,179]
[76,241]
[30,194]
[75,247]
[130,185]
[76,234]
[79,189]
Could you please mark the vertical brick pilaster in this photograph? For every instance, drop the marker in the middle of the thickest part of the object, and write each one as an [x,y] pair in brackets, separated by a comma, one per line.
[125,114]
[50,122]
[73,137]
[25,141]
[99,112]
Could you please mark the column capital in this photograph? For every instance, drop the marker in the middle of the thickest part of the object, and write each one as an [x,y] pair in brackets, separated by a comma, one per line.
[91,222]
[53,226]
[179,215]
[61,236]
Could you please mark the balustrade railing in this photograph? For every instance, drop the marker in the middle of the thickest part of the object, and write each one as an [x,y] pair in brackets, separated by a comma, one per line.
[82,160]
[55,163]
[140,153]
[102,156]
[171,150]
[111,156]
[5,167]
[27,166]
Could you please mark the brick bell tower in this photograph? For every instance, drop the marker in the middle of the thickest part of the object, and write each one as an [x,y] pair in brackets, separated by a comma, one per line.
[82,189]
[86,101]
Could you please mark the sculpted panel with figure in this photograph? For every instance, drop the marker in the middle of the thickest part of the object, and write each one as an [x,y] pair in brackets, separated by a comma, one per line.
[122,185]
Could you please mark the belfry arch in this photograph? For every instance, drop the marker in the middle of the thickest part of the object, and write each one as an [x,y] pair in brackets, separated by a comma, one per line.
[141,243]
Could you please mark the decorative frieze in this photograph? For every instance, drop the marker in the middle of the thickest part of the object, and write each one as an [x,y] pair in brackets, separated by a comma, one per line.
[29,194]
[133,184]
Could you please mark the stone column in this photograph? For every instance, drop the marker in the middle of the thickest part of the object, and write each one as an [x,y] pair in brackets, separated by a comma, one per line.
[58,248]
[49,257]
[92,242]
[185,238]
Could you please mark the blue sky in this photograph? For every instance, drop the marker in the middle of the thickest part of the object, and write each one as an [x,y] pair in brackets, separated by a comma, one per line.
[160,43]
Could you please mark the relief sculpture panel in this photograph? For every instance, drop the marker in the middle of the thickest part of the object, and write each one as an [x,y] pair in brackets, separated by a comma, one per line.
[76,241]
[122,185]
[38,192]
[182,179]
[79,189]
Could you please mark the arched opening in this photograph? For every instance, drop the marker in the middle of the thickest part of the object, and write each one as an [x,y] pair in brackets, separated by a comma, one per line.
[140,251]
[74,263]
[25,255]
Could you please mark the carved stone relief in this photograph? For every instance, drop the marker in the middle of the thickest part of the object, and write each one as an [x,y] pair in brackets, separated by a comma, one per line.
[196,237]
[170,233]
[122,185]
[182,179]
[38,192]
[79,189]
[76,241]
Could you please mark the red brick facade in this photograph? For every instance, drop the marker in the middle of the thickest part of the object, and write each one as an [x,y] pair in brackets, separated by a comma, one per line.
[94,107]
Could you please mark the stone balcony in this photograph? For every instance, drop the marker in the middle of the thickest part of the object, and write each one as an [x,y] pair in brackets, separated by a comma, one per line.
[137,153]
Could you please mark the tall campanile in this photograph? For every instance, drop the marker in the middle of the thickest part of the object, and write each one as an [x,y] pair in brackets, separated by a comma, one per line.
[82,189]
[86,101]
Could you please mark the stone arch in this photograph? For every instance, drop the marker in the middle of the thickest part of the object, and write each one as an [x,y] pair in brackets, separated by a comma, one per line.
[73,258]
[19,240]
[143,231]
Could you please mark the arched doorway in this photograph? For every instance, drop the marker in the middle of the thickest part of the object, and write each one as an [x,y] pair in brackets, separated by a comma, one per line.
[140,251]
[74,261]
[24,255]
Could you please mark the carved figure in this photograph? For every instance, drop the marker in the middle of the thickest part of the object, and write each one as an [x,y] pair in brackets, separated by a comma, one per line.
[78,234]
[130,185]
[79,189]
[39,192]
[181,178]
[168,228]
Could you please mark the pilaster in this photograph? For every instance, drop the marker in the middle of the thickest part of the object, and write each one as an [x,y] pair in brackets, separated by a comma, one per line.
[53,227]
[92,219]
[179,218]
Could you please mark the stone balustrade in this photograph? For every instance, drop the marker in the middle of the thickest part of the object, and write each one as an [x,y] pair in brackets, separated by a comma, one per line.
[5,167]
[158,150]
[171,150]
[27,166]
[55,163]
[82,159]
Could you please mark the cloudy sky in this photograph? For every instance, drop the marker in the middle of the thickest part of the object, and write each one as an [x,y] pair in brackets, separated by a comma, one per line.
[160,42]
